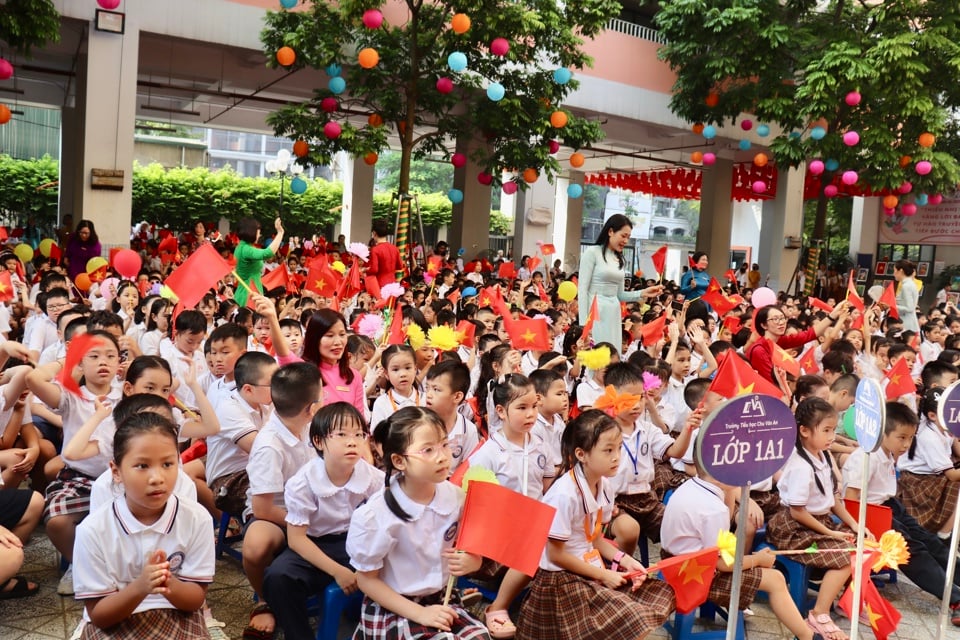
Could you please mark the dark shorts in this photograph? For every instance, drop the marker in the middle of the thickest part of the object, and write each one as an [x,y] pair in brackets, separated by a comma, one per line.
[13,504]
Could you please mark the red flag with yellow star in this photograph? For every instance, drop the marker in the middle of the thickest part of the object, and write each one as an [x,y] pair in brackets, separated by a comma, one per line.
[690,575]
[321,279]
[882,616]
[852,296]
[721,304]
[735,377]
[817,303]
[785,361]
[889,298]
[899,380]
[6,287]
[529,334]
[652,332]
[809,361]
[592,317]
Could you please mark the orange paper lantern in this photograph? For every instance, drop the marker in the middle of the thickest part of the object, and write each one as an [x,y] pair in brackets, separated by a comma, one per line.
[371,158]
[558,119]
[460,23]
[890,201]
[696,157]
[300,148]
[530,175]
[905,161]
[286,56]
[368,58]
[5,114]
[697,128]
[374,120]
[712,99]
[760,159]
[576,159]
[927,139]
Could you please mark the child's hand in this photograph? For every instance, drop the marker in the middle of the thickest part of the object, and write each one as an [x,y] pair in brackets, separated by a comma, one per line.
[764,558]
[612,579]
[155,574]
[673,331]
[190,376]
[461,563]
[346,580]
[841,535]
[102,408]
[437,616]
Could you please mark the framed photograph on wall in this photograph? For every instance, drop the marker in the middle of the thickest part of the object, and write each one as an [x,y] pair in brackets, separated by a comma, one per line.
[954,297]
[938,266]
[881,269]
[923,269]
[862,274]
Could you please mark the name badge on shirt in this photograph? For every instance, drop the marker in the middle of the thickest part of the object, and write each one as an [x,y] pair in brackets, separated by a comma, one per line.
[593,557]
[634,488]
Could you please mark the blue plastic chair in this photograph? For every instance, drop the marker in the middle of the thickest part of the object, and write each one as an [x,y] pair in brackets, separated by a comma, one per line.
[798,578]
[681,627]
[225,542]
[330,611]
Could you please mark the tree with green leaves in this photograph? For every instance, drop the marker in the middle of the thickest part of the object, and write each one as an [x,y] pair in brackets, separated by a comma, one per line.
[884,70]
[25,24]
[405,92]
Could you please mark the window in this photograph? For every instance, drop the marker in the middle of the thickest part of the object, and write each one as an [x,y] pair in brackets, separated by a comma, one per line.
[659,232]
[678,233]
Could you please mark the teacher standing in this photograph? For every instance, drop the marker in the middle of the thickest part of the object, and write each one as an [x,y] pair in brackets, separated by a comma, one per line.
[695,282]
[601,275]
[250,258]
[907,294]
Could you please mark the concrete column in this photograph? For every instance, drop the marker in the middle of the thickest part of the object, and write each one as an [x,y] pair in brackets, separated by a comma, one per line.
[357,212]
[541,196]
[470,223]
[865,226]
[782,217]
[108,109]
[568,224]
[716,215]
[71,166]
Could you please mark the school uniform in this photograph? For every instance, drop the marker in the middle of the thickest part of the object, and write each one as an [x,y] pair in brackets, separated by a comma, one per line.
[464,439]
[105,490]
[54,352]
[551,432]
[928,554]
[407,556]
[799,489]
[43,335]
[390,402]
[765,494]
[219,391]
[237,420]
[275,457]
[314,502]
[563,605]
[528,363]
[149,342]
[924,489]
[588,392]
[633,484]
[692,520]
[672,396]
[519,468]
[184,532]
[179,365]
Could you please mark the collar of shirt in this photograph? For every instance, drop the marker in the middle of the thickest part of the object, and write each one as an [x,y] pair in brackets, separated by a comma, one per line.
[590,503]
[445,501]
[283,431]
[129,523]
[709,486]
[357,483]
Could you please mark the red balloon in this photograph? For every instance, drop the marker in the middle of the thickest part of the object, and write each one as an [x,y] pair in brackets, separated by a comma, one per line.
[458,159]
[444,85]
[109,5]
[6,69]
[329,104]
[484,178]
[127,263]
[554,147]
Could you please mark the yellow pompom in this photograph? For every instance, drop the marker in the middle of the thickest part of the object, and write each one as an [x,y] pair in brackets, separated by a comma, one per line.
[594,359]
[480,474]
[339,267]
[893,550]
[415,336]
[443,338]
[727,545]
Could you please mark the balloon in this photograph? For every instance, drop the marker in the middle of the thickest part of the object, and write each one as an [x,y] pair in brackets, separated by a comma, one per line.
[301,148]
[905,160]
[444,85]
[109,5]
[375,120]
[83,282]
[329,105]
[697,128]
[746,125]
[712,99]
[25,253]
[510,187]
[554,146]
[923,167]
[577,160]
[709,158]
[6,69]
[561,75]
[457,61]
[763,297]
[530,175]
[759,186]
[371,158]
[851,138]
[709,132]
[923,199]
[936,199]
[830,190]
[816,167]
[469,292]
[744,145]
[696,157]
[890,201]
[333,69]
[853,98]
[286,56]
[337,85]
[558,119]
[5,114]
[288,4]
[499,47]
[332,130]
[906,187]
[849,177]
[889,210]
[455,195]
[567,291]
[368,58]
[458,159]
[45,245]
[927,139]
[460,23]
[298,185]
[484,178]
[372,19]
[763,131]
[832,165]
[909,209]
[817,133]
[495,91]
[574,191]
[108,288]
[93,263]
[127,263]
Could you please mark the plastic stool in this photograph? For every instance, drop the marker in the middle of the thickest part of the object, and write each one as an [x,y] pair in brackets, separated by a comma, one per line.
[224,541]
[335,604]
[681,628]
[798,577]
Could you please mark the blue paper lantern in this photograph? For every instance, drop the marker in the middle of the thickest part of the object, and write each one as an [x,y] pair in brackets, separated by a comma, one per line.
[337,85]
[709,132]
[744,145]
[455,195]
[794,135]
[574,191]
[457,61]
[495,91]
[562,75]
[832,165]
[288,4]
[922,200]
[333,69]
[817,133]
[763,131]
[298,185]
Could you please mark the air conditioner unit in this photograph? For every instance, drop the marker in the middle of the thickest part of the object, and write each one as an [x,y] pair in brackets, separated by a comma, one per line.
[791,242]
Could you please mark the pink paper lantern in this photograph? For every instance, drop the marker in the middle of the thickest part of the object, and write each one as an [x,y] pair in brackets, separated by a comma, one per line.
[332,130]
[499,47]
[935,199]
[485,178]
[6,69]
[709,158]
[853,98]
[458,159]
[830,190]
[746,125]
[851,138]
[889,211]
[816,167]
[759,186]
[510,187]
[909,209]
[906,187]
[372,19]
[444,85]
[109,5]
[329,104]
[923,167]
[554,147]
[849,178]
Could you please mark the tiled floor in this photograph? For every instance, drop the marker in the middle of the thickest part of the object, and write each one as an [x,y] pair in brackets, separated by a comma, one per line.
[48,616]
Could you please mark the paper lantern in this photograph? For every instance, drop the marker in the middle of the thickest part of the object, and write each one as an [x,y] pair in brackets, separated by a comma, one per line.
[109,5]
[709,158]
[288,4]
[485,178]
[458,159]
[455,196]
[849,178]
[45,246]
[936,199]
[905,187]
[926,140]
[375,120]
[554,146]
[298,185]
[696,157]
[558,119]
[286,56]
[372,19]
[830,190]
[567,291]
[576,160]
[83,282]
[562,75]
[574,191]
[332,130]
[832,164]
[908,209]
[759,186]
[853,98]
[818,133]
[816,167]
[6,69]
[94,263]
[460,23]
[509,187]
[127,263]
[25,253]
[368,58]
[444,85]
[530,175]
[712,99]
[851,138]
[890,201]
[301,149]
[760,159]
[923,167]
[697,128]
[499,47]
[746,124]
[329,105]
[763,130]
[370,158]
[744,145]
[763,297]
[904,161]
[709,132]
[495,91]
[337,85]
[333,69]
[457,61]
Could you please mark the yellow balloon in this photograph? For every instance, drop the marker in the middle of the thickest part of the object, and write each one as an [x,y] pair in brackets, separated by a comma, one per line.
[95,263]
[24,252]
[45,245]
[339,266]
[567,291]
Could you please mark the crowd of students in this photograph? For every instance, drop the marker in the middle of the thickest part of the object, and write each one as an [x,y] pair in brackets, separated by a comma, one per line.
[331,447]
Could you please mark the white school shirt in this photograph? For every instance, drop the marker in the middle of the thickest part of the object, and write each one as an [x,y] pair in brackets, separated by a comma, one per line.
[407,553]
[578,512]
[75,411]
[528,364]
[184,532]
[672,396]
[179,365]
[219,391]
[149,342]
[43,335]
[881,478]
[933,449]
[678,464]
[105,490]
[694,517]
[928,352]
[275,457]
[798,488]
[588,391]
[237,420]
[641,449]
[390,402]
[52,353]
[511,462]
[550,433]
[314,502]
[464,439]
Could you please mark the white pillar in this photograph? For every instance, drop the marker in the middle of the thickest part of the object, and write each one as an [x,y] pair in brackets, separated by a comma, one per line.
[865,226]
[782,218]
[716,215]
[537,203]
[357,213]
[568,224]
[470,223]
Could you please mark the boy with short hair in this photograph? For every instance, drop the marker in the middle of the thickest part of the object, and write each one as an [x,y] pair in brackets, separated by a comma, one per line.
[227,343]
[928,554]
[445,386]
[189,330]
[554,402]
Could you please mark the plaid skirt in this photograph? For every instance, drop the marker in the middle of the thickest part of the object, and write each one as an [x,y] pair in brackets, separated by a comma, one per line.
[721,588]
[564,606]
[377,623]
[665,477]
[646,509]
[68,495]
[784,533]
[154,624]
[930,499]
[768,501]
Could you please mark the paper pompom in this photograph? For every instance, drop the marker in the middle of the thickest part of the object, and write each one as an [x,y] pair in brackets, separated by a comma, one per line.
[651,381]
[727,545]
[392,290]
[415,336]
[443,338]
[360,250]
[370,325]
[594,359]
[339,267]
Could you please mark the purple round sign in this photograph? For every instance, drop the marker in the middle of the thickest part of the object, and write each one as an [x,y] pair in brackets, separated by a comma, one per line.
[949,409]
[747,439]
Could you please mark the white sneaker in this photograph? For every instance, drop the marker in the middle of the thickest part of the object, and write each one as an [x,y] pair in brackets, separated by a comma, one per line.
[78,631]
[215,629]
[65,586]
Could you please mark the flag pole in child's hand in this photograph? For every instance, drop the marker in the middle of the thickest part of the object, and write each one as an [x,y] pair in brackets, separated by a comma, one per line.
[242,283]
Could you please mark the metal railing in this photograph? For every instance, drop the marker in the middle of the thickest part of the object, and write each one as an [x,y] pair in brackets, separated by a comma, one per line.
[636,30]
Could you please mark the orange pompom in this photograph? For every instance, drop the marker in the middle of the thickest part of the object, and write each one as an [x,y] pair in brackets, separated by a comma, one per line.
[576,160]
[301,148]
[286,56]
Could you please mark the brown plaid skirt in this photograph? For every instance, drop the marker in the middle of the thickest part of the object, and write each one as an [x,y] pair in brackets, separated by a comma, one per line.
[665,477]
[154,624]
[564,606]
[768,501]
[646,509]
[721,589]
[68,495]
[930,499]
[377,623]
[783,532]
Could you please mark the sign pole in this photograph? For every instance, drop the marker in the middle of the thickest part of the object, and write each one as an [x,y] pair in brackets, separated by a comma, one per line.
[858,565]
[733,611]
[948,410]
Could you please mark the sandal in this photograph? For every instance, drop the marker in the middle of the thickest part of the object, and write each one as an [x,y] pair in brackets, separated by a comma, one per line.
[823,625]
[20,589]
[499,624]
[252,633]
